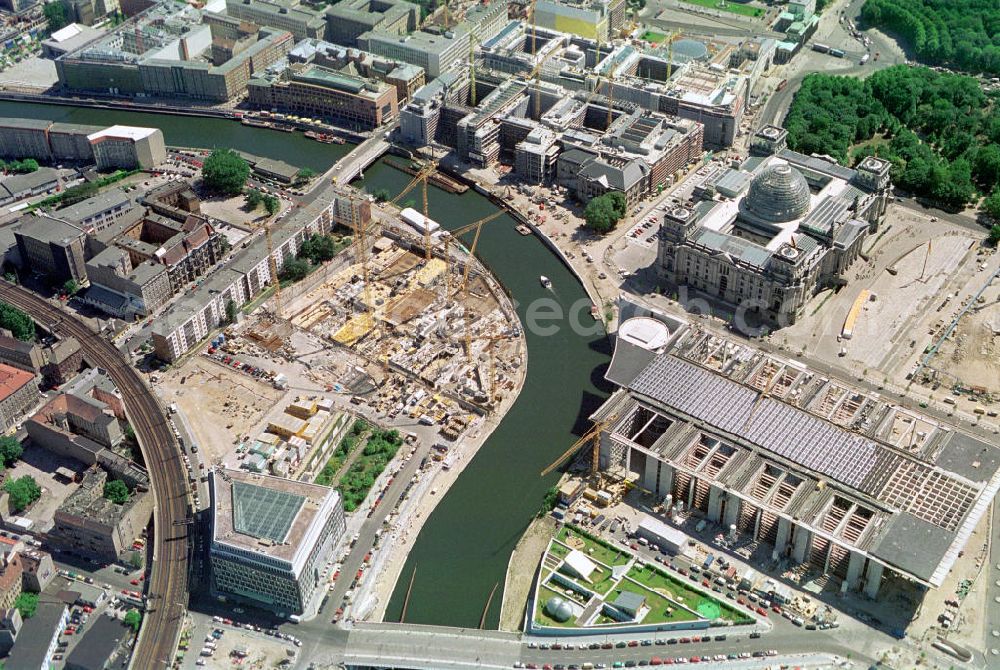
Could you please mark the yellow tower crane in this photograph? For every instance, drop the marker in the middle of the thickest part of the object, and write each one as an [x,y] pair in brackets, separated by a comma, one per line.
[594,437]
[453,235]
[421,178]
[670,53]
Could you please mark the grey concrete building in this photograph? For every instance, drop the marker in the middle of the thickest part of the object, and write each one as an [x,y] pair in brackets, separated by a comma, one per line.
[348,19]
[288,15]
[270,538]
[39,635]
[779,454]
[51,247]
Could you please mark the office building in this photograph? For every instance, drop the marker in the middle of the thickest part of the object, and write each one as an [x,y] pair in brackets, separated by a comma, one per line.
[128,148]
[125,147]
[103,645]
[439,52]
[348,19]
[845,485]
[167,51]
[51,247]
[320,92]
[768,235]
[270,539]
[594,19]
[286,15]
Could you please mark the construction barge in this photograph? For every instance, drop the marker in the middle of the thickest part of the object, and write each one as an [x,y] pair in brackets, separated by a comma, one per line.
[442,181]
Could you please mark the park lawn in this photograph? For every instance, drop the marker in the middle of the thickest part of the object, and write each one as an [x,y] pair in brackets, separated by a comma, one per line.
[656,603]
[355,484]
[678,591]
[653,37]
[542,618]
[599,551]
[558,550]
[601,580]
[732,7]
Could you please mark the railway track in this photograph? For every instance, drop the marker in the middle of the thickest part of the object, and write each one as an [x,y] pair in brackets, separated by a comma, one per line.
[167,588]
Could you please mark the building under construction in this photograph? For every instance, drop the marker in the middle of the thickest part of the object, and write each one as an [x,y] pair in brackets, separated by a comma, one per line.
[843,484]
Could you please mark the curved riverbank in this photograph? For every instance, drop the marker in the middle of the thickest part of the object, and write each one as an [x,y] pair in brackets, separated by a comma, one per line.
[463,549]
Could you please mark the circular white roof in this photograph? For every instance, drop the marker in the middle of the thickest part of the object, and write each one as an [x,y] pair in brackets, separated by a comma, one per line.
[645,332]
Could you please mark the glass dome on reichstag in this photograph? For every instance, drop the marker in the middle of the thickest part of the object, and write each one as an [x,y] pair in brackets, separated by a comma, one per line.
[778,193]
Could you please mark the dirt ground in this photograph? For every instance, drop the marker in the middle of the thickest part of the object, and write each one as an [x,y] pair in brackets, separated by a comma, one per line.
[219,403]
[233,211]
[909,281]
[521,571]
[972,354]
[41,464]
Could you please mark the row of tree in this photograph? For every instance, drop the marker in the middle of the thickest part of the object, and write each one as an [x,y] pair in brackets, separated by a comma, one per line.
[939,130]
[19,167]
[255,198]
[315,250]
[960,33]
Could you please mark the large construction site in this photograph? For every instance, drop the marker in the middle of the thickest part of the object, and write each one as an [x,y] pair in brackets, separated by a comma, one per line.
[406,326]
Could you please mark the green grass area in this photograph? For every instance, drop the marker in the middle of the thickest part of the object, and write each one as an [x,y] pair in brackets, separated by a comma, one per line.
[661,609]
[680,592]
[732,7]
[597,549]
[652,36]
[558,550]
[544,619]
[380,448]
[343,450]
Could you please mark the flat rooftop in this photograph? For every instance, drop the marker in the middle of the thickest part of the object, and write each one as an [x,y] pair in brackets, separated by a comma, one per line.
[270,515]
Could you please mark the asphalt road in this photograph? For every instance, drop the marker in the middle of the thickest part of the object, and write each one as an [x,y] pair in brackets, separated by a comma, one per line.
[167,586]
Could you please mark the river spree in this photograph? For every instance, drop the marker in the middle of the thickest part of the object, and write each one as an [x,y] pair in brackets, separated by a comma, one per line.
[463,549]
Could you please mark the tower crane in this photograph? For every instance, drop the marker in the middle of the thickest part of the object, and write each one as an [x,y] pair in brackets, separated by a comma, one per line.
[594,437]
[272,267]
[453,234]
[420,178]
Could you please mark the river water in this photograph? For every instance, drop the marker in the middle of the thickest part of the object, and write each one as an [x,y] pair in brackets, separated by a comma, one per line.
[463,549]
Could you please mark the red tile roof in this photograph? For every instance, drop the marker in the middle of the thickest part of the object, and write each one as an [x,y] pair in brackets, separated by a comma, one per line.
[13,380]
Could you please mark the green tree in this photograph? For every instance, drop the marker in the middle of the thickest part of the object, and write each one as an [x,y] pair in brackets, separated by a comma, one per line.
[253,198]
[601,214]
[272,204]
[550,501]
[994,237]
[26,604]
[135,559]
[304,175]
[71,287]
[116,491]
[618,203]
[55,14]
[17,322]
[10,450]
[381,195]
[986,168]
[133,619]
[231,311]
[294,269]
[23,166]
[225,172]
[318,248]
[22,491]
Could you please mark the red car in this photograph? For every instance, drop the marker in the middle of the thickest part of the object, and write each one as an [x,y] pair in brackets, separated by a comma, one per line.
[656,660]
[633,643]
[761,611]
[134,582]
